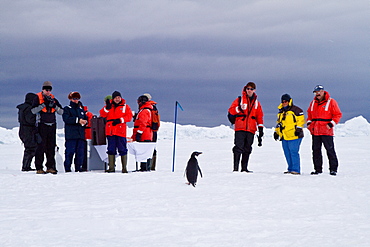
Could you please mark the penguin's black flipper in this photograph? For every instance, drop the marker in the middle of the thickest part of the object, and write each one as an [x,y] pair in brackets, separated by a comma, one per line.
[200,171]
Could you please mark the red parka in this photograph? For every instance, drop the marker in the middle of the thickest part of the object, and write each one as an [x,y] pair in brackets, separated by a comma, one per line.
[143,122]
[88,126]
[320,114]
[248,111]
[121,111]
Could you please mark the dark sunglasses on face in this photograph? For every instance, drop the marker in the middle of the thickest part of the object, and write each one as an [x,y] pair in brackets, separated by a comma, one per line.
[284,101]
[47,90]
[76,99]
[249,88]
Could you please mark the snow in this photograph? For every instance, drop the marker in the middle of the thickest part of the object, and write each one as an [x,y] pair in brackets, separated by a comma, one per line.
[265,208]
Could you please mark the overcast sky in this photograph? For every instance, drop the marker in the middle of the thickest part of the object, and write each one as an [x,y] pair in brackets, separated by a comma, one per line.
[198,52]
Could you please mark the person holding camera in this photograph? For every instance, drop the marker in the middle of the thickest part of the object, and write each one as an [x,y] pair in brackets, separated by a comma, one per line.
[45,105]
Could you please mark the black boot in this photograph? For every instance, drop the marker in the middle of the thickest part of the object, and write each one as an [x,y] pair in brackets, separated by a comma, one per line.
[236,161]
[245,159]
[27,159]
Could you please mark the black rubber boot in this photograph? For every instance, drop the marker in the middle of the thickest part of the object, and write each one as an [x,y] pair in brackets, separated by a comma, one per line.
[236,161]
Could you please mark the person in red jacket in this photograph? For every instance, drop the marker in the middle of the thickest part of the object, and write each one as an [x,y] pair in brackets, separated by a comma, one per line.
[323,115]
[142,126]
[87,137]
[117,114]
[249,116]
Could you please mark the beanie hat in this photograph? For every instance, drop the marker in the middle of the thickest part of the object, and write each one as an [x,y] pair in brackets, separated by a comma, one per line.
[148,96]
[251,84]
[285,97]
[47,85]
[115,94]
[142,99]
[74,95]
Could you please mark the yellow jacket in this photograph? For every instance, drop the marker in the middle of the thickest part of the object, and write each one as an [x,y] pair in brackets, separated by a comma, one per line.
[288,120]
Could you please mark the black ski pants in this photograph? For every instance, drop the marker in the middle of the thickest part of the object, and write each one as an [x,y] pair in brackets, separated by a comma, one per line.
[328,142]
[47,146]
[243,141]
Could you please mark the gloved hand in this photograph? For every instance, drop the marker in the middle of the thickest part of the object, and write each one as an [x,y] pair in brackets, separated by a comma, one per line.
[308,123]
[260,132]
[276,136]
[116,121]
[108,104]
[138,137]
[330,125]
[299,132]
[259,137]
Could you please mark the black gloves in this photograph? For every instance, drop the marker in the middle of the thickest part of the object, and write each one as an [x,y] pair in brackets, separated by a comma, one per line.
[299,132]
[108,104]
[259,137]
[276,136]
[138,137]
[116,121]
[330,125]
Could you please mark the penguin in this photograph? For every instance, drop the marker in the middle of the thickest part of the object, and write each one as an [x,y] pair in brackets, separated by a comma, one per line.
[192,169]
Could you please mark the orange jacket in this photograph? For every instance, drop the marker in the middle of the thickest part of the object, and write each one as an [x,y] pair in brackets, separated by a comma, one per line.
[41,100]
[121,111]
[320,114]
[249,118]
[88,126]
[143,123]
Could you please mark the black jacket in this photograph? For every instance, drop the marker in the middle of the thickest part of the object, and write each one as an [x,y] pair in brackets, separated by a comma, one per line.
[71,117]
[27,121]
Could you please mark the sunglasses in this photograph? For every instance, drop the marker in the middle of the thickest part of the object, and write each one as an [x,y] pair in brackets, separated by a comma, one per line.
[47,90]
[75,98]
[284,101]
[249,88]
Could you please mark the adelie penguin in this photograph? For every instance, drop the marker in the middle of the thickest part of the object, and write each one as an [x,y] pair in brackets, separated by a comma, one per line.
[192,169]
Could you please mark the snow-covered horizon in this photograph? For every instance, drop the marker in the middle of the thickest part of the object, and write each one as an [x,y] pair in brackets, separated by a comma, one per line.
[357,126]
[226,209]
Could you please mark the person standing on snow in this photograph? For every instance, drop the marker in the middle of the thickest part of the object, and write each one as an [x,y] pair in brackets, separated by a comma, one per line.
[28,131]
[117,114]
[249,115]
[45,106]
[88,136]
[142,126]
[323,115]
[155,127]
[75,119]
[289,129]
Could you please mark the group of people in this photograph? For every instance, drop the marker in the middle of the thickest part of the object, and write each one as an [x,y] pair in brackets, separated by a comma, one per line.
[323,114]
[38,129]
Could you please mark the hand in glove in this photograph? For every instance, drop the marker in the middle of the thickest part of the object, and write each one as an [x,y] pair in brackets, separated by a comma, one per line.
[116,121]
[299,132]
[108,104]
[276,136]
[330,125]
[260,134]
[138,137]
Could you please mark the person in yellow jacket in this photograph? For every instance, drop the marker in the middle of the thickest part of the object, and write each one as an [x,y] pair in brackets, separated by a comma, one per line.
[289,130]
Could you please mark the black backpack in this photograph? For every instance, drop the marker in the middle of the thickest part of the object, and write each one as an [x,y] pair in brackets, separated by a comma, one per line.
[232,117]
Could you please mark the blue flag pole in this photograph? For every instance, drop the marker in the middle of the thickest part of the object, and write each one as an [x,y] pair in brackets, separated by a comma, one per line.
[174,136]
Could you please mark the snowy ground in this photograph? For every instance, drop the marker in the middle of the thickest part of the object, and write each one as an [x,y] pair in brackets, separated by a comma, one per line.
[266,208]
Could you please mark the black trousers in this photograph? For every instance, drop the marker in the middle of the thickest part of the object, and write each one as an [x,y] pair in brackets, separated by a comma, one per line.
[243,141]
[328,142]
[47,146]
[28,137]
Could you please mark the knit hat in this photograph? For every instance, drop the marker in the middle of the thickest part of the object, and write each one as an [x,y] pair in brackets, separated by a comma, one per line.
[74,95]
[285,97]
[148,96]
[115,94]
[142,99]
[47,85]
[251,84]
